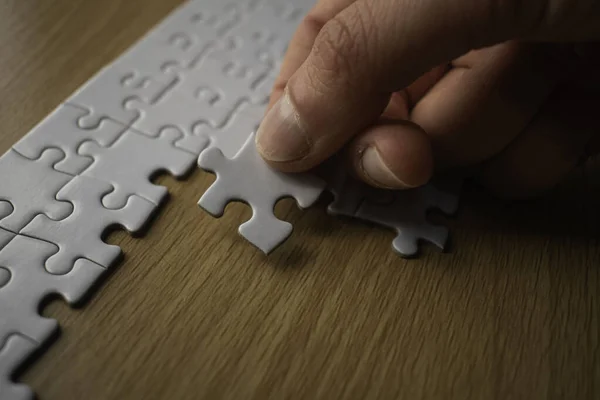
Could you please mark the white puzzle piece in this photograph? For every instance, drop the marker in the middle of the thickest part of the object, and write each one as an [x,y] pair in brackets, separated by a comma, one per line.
[246,177]
[407,215]
[30,187]
[60,130]
[80,234]
[348,192]
[14,351]
[29,283]
[131,162]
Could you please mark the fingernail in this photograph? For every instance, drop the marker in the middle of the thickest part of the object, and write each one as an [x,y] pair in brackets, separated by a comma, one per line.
[280,137]
[379,173]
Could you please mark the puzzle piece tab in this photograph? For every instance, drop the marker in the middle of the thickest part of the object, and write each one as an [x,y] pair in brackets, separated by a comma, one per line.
[80,234]
[247,178]
[29,283]
[407,215]
[131,162]
[14,351]
[60,130]
[30,189]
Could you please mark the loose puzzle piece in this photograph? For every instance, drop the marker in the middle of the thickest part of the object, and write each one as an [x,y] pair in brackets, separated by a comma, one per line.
[31,189]
[80,234]
[29,283]
[247,178]
[348,192]
[14,351]
[60,130]
[131,162]
[231,137]
[407,215]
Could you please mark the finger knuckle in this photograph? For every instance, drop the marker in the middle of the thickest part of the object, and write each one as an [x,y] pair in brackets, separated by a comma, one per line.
[340,48]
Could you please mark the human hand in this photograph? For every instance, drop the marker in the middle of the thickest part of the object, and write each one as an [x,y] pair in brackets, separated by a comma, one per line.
[409,87]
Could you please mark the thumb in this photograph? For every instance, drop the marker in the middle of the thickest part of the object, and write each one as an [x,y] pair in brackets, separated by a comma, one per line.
[373,48]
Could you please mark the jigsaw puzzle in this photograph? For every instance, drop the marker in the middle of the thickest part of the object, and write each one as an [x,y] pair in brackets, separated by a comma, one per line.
[192,90]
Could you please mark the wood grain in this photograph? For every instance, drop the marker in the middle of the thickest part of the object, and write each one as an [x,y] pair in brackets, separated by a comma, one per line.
[195,312]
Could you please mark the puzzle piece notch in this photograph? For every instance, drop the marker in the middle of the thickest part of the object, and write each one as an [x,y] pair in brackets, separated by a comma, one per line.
[80,234]
[131,162]
[14,351]
[30,284]
[60,130]
[407,215]
[231,137]
[246,177]
[32,188]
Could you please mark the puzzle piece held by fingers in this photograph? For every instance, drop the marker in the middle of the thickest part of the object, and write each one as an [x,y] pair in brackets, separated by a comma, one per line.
[246,177]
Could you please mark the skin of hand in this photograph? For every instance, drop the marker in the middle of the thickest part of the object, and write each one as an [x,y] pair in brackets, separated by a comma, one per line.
[507,90]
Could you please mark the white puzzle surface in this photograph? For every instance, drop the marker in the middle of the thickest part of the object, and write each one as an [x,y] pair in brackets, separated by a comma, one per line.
[193,90]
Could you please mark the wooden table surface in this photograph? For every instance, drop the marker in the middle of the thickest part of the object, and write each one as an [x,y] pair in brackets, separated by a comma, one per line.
[193,311]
